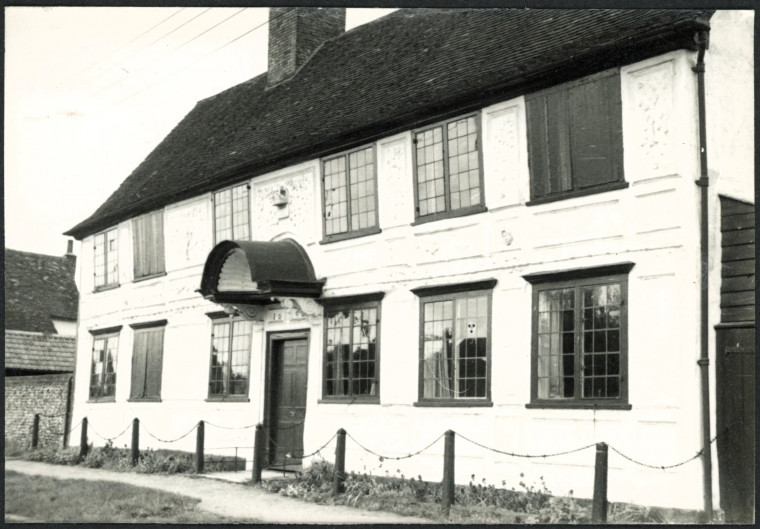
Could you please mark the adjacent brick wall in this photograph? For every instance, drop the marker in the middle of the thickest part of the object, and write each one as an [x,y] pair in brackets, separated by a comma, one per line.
[27,395]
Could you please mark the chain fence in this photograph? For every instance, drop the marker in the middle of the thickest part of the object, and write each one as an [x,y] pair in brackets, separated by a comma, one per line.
[393,458]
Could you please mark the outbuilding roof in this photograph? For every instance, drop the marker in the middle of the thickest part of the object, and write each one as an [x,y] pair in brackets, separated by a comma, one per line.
[406,69]
[35,351]
[38,289]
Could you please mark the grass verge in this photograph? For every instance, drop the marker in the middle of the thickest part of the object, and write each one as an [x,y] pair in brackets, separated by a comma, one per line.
[46,499]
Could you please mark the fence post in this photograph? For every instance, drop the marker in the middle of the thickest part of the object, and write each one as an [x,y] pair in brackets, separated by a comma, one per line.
[447,487]
[199,447]
[340,462]
[83,440]
[135,440]
[35,431]
[599,505]
[258,453]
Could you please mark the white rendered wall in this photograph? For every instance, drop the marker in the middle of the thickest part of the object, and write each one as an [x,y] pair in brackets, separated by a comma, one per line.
[729,88]
[653,223]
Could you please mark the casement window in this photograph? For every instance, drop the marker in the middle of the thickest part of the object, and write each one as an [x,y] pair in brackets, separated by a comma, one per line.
[448,169]
[148,239]
[350,194]
[352,349]
[230,359]
[580,337]
[575,138]
[147,361]
[106,259]
[455,344]
[105,348]
[232,214]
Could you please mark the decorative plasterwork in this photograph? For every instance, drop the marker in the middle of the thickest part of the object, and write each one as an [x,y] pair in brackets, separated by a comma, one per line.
[302,306]
[251,312]
[649,135]
[503,159]
[272,216]
[394,181]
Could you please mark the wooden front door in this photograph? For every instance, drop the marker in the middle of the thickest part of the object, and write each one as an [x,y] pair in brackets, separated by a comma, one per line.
[735,378]
[288,401]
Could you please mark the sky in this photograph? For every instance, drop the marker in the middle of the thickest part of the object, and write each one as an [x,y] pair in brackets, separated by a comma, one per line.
[90,91]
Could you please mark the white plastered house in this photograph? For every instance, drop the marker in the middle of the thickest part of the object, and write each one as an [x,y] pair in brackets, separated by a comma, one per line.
[478,220]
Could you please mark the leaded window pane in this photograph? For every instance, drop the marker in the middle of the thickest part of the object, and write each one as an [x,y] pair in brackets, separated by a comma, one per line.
[349,192]
[601,344]
[448,167]
[351,352]
[232,214]
[230,358]
[103,366]
[455,347]
[556,337]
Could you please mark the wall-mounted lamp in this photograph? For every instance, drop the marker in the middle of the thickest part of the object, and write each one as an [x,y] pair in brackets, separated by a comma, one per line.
[281,198]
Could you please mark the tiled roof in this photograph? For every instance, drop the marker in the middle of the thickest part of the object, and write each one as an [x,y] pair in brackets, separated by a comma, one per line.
[38,289]
[402,70]
[39,351]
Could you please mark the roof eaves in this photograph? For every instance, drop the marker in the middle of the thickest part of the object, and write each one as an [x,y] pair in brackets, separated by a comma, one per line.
[659,39]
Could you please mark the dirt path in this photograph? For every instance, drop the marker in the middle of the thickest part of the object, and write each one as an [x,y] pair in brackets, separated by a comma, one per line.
[220,497]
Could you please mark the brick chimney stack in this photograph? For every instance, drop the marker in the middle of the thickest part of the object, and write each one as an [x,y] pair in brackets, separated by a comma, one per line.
[70,255]
[295,33]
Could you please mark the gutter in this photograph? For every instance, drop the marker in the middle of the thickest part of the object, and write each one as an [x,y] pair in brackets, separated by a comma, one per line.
[702,38]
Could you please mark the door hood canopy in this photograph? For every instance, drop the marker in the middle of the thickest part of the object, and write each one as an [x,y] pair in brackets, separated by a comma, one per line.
[256,272]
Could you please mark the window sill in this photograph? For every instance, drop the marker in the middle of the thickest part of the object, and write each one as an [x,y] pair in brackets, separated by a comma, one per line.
[228,399]
[463,212]
[349,235]
[579,405]
[103,288]
[341,400]
[145,278]
[95,400]
[147,399]
[580,193]
[443,403]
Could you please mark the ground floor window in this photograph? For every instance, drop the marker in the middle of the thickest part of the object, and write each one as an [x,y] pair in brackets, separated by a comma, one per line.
[579,342]
[230,358]
[105,347]
[351,351]
[455,348]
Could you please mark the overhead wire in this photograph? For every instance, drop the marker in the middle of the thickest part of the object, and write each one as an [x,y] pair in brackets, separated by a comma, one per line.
[105,62]
[151,44]
[133,94]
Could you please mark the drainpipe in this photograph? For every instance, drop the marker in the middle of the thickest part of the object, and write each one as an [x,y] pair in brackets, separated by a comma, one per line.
[703,41]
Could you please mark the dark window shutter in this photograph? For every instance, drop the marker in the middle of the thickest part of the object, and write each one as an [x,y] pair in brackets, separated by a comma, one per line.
[148,239]
[548,120]
[138,365]
[158,243]
[538,154]
[155,353]
[596,132]
[558,139]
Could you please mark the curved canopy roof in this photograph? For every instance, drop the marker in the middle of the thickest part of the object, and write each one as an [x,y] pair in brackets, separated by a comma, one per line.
[254,272]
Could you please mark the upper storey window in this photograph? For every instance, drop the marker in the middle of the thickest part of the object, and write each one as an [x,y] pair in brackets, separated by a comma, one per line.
[106,259]
[148,239]
[232,214]
[350,194]
[448,169]
[575,139]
